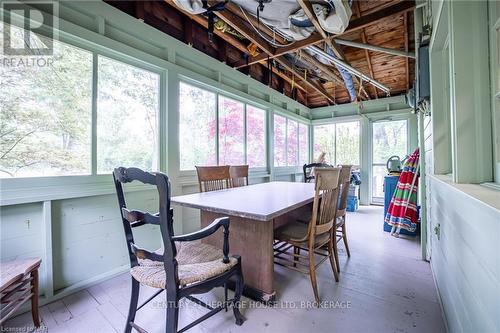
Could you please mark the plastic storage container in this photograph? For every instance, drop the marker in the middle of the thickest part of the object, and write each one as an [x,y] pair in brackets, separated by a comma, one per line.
[352,204]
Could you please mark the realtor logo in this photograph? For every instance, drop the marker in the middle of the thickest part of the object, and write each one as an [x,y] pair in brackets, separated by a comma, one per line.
[37,18]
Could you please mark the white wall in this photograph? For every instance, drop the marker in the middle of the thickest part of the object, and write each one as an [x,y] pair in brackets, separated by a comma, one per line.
[463,217]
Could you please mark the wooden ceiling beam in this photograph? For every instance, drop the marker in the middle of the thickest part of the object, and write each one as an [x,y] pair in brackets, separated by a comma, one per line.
[306,6]
[369,19]
[367,53]
[201,20]
[354,25]
[306,57]
[236,23]
[243,28]
[295,46]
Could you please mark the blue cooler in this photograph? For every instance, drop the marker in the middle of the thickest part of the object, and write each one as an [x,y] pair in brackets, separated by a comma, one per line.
[390,183]
[352,204]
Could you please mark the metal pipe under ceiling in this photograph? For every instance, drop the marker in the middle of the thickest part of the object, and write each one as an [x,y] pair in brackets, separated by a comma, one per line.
[349,68]
[375,48]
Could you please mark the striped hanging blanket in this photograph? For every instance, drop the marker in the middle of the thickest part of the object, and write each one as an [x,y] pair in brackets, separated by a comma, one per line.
[402,212]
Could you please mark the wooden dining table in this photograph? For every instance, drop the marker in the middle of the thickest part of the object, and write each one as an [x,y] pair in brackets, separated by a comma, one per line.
[254,212]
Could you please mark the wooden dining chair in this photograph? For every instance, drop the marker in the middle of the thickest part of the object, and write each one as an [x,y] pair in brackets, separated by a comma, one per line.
[213,178]
[239,175]
[184,266]
[340,227]
[313,236]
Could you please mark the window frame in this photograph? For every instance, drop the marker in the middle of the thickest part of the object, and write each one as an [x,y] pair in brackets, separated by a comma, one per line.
[299,122]
[494,58]
[96,51]
[218,93]
[335,122]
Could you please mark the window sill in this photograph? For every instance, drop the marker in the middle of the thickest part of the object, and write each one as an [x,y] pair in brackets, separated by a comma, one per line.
[488,194]
[28,190]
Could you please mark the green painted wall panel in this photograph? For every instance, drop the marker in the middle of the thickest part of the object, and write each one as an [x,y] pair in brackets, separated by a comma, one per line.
[88,238]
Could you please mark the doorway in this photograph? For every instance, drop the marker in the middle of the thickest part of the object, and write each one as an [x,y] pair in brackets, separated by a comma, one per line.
[389,138]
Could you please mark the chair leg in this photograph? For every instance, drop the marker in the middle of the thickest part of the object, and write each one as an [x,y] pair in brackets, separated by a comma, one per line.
[333,259]
[336,251]
[225,296]
[296,252]
[172,319]
[237,296]
[134,298]
[344,237]
[312,275]
[34,298]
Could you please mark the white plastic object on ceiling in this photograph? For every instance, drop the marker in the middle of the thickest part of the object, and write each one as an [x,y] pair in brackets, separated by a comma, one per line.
[336,22]
[191,6]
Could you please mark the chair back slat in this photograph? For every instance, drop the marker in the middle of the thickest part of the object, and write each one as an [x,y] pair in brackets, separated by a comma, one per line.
[325,200]
[141,253]
[136,218]
[239,175]
[344,181]
[213,178]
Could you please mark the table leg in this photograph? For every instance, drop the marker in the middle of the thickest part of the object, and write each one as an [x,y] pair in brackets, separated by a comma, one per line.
[253,241]
[34,298]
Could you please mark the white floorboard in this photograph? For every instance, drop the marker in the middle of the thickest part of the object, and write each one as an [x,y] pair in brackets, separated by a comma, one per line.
[384,287]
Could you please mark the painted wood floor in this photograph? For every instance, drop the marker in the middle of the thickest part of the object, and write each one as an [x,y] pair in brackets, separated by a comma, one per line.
[384,287]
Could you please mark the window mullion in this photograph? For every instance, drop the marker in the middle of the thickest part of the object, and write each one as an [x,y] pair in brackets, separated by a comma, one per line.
[286,141]
[217,102]
[95,83]
[245,138]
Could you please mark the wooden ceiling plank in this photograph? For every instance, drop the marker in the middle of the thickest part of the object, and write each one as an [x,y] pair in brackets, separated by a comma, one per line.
[369,19]
[407,61]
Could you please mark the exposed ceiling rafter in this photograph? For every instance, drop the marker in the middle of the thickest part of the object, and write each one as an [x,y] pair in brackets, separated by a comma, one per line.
[236,23]
[201,20]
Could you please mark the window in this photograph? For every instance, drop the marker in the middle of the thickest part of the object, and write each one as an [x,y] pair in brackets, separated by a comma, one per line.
[279,141]
[127,123]
[208,119]
[303,144]
[347,143]
[340,142]
[290,142]
[46,114]
[256,137]
[197,127]
[389,138]
[324,141]
[231,132]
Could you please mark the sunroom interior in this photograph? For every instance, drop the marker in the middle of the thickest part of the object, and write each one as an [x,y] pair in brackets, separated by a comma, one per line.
[369,128]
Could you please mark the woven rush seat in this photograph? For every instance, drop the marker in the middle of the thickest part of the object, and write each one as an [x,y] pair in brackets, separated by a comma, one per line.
[297,230]
[196,262]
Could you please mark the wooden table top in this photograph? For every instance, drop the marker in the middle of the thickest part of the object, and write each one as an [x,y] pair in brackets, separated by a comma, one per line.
[261,202]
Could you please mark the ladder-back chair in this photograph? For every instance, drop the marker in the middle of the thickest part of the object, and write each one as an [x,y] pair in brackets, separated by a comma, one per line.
[340,228]
[239,175]
[313,236]
[213,178]
[184,266]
